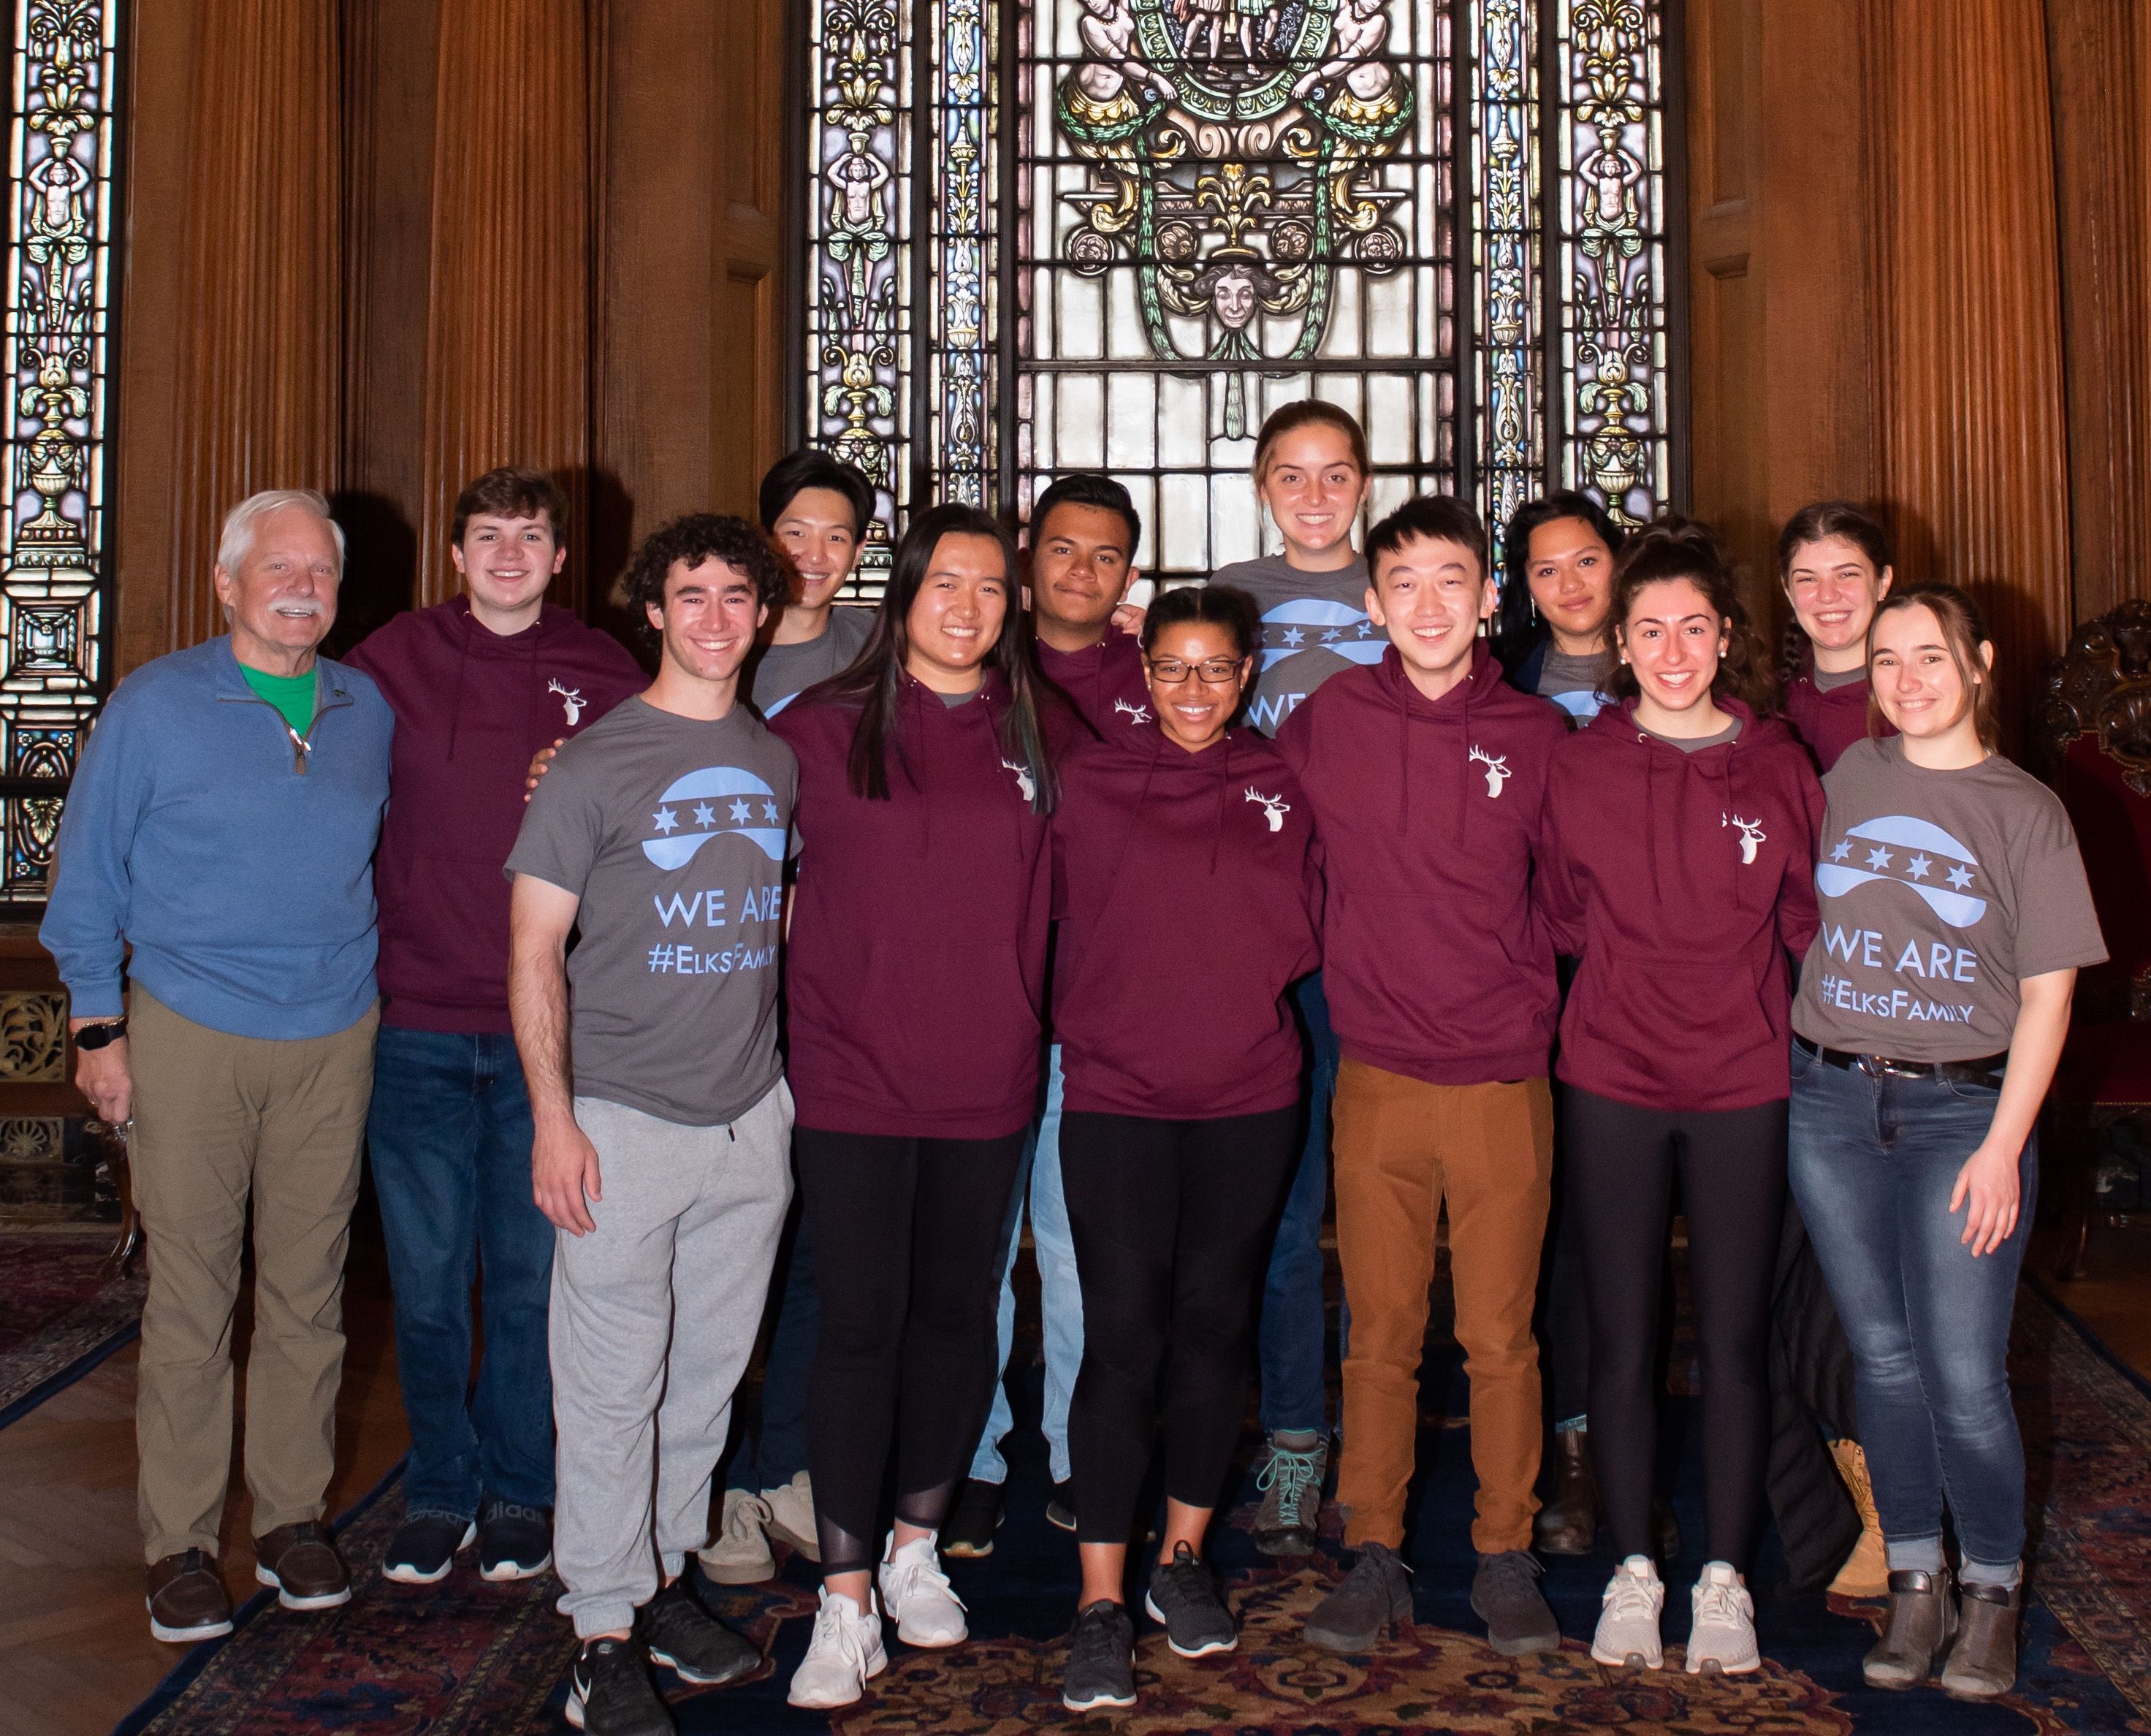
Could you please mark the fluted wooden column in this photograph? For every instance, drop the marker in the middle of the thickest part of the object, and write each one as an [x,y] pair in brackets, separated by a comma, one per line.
[255,386]
[507,313]
[1974,431]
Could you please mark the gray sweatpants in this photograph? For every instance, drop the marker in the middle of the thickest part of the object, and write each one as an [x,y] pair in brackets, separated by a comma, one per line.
[654,1317]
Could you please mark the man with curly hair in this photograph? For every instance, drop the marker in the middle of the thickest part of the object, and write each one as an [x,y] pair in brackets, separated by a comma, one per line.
[662,1150]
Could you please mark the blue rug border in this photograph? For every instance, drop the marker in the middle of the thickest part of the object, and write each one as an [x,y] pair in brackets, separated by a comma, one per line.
[183,1674]
[2042,1287]
[52,1384]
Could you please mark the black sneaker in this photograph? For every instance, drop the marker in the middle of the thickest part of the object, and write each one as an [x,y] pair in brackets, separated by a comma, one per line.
[1505,1596]
[1183,1596]
[1102,1667]
[1061,1510]
[610,1693]
[976,1516]
[424,1548]
[692,1643]
[514,1542]
[1368,1600]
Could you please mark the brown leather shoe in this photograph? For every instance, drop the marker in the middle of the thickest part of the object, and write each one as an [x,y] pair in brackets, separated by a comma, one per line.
[303,1565]
[1568,1523]
[186,1598]
[1982,1664]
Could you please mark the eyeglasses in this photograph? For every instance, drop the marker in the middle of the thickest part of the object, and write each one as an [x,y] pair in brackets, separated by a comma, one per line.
[1170,671]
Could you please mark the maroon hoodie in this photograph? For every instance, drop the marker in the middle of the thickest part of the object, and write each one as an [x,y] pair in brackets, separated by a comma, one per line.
[1428,817]
[916,962]
[1682,881]
[1189,905]
[1104,681]
[472,706]
[1829,722]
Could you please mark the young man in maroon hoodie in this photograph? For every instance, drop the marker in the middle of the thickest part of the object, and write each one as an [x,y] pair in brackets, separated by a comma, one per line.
[1426,772]
[477,684]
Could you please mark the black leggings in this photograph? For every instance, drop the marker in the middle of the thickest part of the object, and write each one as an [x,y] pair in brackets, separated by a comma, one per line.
[1172,1223]
[1621,1162]
[907,1235]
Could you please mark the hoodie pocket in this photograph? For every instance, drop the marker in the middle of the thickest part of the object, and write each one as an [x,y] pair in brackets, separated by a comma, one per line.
[1181,1049]
[1674,1019]
[948,1027]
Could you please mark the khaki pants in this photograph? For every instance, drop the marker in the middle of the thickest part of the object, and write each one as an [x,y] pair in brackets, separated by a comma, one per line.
[1402,1148]
[218,1119]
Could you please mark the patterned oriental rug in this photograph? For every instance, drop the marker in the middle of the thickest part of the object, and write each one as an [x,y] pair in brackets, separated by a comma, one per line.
[468,1657]
[59,1315]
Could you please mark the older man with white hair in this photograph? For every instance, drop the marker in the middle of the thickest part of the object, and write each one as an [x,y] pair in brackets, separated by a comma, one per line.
[222,823]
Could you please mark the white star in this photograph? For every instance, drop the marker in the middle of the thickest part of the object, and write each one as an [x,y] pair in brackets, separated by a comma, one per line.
[1366,629]
[704,814]
[1917,867]
[769,812]
[1843,850]
[665,819]
[1293,635]
[742,813]
[1959,878]
[1329,633]
[1878,858]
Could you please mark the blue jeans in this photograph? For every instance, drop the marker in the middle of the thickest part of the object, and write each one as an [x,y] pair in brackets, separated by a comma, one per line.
[1060,1298]
[1293,1324]
[768,1454]
[449,1131]
[1873,1163]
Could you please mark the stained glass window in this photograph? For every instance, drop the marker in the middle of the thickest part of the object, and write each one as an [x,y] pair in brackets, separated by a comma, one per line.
[53,562]
[1112,235]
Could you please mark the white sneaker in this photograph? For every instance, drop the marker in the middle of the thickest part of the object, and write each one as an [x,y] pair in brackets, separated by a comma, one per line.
[1722,1642]
[739,1554]
[915,1592]
[844,1655]
[791,1516]
[1628,1622]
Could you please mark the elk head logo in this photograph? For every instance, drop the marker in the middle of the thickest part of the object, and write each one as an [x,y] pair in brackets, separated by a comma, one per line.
[1134,714]
[571,701]
[1751,834]
[1274,808]
[1497,769]
[1024,783]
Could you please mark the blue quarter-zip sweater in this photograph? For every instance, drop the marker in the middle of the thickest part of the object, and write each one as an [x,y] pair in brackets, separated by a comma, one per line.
[237,861]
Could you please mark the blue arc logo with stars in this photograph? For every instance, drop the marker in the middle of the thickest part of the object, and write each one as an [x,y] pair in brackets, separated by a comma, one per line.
[1308,624]
[1909,852]
[716,802]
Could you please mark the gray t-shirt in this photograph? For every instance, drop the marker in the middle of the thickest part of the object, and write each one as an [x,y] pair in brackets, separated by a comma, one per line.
[672,831]
[1826,682]
[1572,683]
[1314,624]
[1938,891]
[1696,744]
[781,673]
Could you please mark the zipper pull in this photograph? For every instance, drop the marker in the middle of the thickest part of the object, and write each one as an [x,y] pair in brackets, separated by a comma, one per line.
[301,747]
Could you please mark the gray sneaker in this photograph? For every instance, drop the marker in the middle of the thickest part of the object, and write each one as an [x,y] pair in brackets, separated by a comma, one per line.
[1368,1600]
[1183,1597]
[1505,1596]
[1291,1482]
[1101,1669]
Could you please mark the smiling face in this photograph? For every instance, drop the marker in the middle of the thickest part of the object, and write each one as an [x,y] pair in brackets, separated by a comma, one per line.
[282,600]
[1834,589]
[1315,489]
[817,531]
[508,562]
[1570,570]
[708,621]
[1234,298]
[1918,683]
[1080,563]
[956,618]
[1430,596]
[1196,676]
[1672,639]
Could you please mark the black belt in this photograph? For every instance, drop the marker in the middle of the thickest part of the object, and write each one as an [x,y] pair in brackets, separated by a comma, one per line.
[1981,1070]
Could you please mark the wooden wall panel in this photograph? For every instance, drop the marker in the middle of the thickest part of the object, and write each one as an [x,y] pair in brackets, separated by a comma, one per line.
[1974,428]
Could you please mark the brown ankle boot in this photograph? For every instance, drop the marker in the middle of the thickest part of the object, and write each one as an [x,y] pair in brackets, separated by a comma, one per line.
[1568,1523]
[1866,1570]
[1922,1618]
[1982,1664]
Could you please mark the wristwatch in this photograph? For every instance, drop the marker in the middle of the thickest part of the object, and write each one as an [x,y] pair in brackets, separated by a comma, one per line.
[97,1037]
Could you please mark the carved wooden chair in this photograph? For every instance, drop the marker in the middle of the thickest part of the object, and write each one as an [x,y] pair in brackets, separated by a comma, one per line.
[2096,720]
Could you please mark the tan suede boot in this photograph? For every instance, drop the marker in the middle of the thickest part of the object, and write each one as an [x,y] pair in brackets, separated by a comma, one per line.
[1866,1570]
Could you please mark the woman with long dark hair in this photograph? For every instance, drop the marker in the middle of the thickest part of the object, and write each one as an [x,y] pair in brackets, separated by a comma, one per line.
[1679,871]
[1932,1010]
[1549,631]
[1833,562]
[916,957]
